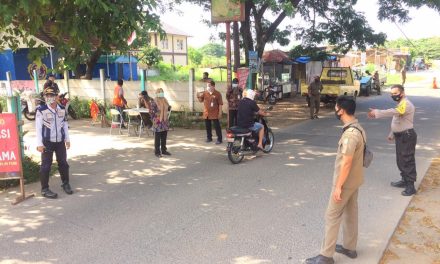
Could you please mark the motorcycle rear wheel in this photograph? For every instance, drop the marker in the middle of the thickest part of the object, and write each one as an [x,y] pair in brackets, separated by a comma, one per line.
[270,140]
[234,152]
[72,113]
[28,116]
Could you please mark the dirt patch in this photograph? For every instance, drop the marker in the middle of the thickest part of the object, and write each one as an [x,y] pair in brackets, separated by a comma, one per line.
[290,111]
[417,237]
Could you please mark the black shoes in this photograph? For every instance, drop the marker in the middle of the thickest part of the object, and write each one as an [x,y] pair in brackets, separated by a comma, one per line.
[48,193]
[399,184]
[316,117]
[166,153]
[349,253]
[218,142]
[67,188]
[158,155]
[208,140]
[409,190]
[320,259]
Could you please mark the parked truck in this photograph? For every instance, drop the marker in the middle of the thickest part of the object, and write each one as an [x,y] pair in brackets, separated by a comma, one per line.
[336,81]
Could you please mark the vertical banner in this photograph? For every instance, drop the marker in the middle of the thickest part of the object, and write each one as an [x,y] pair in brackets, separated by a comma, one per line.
[253,61]
[242,76]
[10,157]
[228,55]
[226,11]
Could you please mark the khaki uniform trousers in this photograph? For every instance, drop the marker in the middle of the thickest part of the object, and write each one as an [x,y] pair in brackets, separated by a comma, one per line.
[346,211]
[315,101]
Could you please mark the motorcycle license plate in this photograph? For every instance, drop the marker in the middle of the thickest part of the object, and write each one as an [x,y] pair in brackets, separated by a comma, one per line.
[231,140]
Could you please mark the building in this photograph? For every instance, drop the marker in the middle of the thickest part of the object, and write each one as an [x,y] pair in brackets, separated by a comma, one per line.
[173,47]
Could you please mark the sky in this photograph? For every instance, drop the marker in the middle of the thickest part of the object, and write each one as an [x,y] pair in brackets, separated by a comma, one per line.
[424,23]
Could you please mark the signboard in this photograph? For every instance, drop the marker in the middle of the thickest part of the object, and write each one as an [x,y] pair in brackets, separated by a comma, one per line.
[242,76]
[253,61]
[226,11]
[10,157]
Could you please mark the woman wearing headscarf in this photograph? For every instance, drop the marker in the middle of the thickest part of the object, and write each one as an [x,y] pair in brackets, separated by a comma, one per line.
[145,102]
[159,116]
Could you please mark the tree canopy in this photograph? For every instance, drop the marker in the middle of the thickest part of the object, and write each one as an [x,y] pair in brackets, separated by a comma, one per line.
[427,48]
[79,30]
[213,49]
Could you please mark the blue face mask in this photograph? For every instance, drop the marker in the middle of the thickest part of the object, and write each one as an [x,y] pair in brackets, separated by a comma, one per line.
[160,95]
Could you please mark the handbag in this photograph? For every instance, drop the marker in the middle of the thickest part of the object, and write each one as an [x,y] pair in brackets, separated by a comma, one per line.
[368,154]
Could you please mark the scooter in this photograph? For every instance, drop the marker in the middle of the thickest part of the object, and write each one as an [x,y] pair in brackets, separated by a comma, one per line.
[243,142]
[29,104]
[66,103]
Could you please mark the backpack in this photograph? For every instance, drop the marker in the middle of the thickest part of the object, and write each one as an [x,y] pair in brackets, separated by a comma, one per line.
[368,154]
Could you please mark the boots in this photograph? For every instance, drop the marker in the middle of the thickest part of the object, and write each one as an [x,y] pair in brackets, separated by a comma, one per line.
[399,184]
[409,190]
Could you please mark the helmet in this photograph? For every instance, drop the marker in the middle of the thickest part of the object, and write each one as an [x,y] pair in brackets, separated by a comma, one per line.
[49,91]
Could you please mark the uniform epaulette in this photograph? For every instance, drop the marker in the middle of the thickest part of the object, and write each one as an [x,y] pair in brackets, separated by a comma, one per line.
[42,107]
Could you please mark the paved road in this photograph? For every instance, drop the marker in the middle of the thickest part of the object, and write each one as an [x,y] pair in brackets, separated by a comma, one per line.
[195,207]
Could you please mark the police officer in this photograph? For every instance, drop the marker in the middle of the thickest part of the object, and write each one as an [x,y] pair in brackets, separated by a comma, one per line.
[52,136]
[348,176]
[314,93]
[402,131]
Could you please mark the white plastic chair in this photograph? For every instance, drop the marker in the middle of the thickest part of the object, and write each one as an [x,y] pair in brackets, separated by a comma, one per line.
[116,120]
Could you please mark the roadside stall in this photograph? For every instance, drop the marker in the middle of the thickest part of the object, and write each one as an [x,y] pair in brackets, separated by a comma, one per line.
[276,71]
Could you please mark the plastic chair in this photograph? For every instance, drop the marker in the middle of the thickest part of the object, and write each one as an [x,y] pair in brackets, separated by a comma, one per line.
[135,120]
[116,120]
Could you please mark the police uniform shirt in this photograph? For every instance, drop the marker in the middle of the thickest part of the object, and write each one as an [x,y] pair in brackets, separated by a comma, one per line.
[403,116]
[51,125]
[315,88]
[351,144]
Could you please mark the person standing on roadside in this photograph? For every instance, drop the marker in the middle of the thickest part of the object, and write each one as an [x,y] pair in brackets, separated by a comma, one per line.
[348,176]
[119,101]
[403,73]
[403,133]
[233,95]
[52,136]
[212,100]
[314,93]
[159,115]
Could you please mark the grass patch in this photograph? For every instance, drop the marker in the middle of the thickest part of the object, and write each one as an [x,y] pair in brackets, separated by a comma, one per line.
[396,78]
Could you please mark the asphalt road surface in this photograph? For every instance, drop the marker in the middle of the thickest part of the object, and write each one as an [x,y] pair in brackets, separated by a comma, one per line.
[196,207]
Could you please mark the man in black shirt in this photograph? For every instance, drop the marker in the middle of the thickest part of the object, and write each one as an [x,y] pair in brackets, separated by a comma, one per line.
[247,108]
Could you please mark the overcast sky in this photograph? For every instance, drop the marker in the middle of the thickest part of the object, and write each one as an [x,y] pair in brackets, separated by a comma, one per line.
[425,23]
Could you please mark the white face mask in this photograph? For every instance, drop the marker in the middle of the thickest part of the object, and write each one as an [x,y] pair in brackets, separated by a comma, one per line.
[234,85]
[50,100]
[209,89]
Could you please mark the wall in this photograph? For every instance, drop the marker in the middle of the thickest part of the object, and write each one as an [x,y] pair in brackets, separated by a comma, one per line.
[177,93]
[7,64]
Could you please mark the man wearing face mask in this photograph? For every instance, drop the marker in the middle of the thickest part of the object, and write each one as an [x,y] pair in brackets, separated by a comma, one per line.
[52,136]
[213,103]
[348,176]
[247,108]
[233,95]
[314,93]
[402,131]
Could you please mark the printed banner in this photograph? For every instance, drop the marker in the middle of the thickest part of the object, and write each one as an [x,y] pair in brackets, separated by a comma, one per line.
[226,11]
[242,76]
[10,157]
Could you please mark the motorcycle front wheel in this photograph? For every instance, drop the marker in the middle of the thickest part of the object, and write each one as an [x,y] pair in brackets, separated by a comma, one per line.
[72,113]
[27,115]
[270,140]
[234,152]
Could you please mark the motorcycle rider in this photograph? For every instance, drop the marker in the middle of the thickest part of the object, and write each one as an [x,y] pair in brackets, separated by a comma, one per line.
[246,109]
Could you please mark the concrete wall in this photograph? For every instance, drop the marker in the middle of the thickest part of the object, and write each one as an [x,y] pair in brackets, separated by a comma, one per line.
[177,93]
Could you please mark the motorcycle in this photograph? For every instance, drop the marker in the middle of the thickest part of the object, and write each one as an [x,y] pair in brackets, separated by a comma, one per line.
[243,142]
[66,103]
[29,105]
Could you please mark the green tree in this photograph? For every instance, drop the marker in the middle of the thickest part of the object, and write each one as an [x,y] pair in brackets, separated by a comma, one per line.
[213,49]
[195,56]
[150,56]
[80,30]
[427,48]
[322,21]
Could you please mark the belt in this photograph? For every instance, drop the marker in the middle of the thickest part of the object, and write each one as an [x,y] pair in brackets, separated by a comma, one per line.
[408,131]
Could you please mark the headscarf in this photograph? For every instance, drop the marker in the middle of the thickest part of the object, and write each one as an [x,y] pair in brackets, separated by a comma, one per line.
[162,105]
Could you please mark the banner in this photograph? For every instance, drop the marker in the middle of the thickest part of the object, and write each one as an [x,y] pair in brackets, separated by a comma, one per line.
[242,76]
[10,157]
[226,11]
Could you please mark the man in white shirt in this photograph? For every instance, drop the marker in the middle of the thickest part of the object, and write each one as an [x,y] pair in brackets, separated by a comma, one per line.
[52,136]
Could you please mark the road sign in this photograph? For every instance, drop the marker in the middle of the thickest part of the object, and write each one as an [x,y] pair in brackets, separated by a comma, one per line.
[10,156]
[253,61]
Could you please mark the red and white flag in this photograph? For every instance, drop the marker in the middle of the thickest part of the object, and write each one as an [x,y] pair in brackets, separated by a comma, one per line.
[131,38]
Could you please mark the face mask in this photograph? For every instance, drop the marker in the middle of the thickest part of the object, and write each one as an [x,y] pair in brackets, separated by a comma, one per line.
[336,114]
[234,85]
[50,100]
[160,95]
[396,97]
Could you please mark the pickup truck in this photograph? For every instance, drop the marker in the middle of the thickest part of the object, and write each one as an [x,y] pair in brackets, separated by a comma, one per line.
[336,81]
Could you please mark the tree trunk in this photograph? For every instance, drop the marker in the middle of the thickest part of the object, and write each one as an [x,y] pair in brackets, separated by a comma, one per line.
[245,31]
[236,44]
[90,64]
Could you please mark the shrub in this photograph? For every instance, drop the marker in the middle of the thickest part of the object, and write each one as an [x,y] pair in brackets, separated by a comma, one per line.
[81,107]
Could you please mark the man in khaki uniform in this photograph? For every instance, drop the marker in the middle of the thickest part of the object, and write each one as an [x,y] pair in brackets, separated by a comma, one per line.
[403,133]
[314,93]
[347,178]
